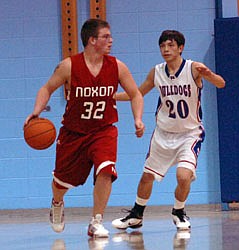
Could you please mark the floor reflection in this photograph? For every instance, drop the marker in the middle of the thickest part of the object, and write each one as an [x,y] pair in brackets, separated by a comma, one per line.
[133,239]
[98,243]
[181,240]
[58,244]
[211,230]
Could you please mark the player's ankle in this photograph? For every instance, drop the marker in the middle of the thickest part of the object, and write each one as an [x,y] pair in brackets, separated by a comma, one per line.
[138,209]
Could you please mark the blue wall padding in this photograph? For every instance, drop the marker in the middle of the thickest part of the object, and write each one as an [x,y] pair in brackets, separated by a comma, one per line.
[227,64]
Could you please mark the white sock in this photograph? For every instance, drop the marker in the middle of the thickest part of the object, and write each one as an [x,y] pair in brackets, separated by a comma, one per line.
[179,204]
[140,201]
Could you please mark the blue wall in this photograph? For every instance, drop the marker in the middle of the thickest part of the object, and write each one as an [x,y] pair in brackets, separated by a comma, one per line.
[30,45]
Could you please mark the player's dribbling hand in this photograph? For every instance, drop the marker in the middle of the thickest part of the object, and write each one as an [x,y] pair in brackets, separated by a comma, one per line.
[140,128]
[30,117]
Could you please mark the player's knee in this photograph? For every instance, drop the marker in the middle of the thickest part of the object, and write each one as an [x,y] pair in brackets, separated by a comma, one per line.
[184,176]
[58,186]
[104,174]
[147,177]
[107,173]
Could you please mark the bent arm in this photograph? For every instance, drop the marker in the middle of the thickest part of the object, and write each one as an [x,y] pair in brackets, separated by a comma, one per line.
[202,71]
[144,88]
[60,77]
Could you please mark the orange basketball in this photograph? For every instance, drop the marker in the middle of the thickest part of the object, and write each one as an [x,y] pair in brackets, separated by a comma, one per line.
[40,133]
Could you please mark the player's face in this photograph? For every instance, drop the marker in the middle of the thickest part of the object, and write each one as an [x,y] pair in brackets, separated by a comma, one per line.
[170,50]
[104,41]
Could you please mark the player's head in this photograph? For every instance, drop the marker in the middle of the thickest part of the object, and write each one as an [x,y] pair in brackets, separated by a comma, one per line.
[171,35]
[91,29]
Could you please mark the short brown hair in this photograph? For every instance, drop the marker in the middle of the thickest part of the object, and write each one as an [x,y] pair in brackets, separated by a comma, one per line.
[91,28]
[172,35]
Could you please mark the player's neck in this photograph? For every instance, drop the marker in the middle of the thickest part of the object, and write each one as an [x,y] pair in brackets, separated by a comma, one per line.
[92,57]
[174,65]
[94,62]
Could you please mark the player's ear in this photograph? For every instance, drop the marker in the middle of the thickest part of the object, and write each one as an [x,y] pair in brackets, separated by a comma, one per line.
[181,47]
[92,40]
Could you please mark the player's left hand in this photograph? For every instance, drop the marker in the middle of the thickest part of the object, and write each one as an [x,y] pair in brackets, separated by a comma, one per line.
[140,128]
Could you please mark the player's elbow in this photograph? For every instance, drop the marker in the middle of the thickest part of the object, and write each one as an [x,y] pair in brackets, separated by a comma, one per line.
[139,95]
[221,84]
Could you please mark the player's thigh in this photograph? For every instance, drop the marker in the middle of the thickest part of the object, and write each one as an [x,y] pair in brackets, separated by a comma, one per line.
[72,163]
[160,157]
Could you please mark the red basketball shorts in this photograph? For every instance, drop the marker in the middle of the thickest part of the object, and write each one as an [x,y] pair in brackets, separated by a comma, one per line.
[76,154]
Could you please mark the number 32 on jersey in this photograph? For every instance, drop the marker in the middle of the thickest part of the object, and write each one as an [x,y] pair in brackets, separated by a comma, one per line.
[92,112]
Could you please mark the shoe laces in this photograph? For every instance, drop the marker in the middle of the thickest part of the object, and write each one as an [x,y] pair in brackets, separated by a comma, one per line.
[57,213]
[97,219]
[181,214]
[132,214]
[96,223]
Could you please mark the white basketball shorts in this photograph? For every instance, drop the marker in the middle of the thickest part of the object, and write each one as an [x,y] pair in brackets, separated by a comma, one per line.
[167,149]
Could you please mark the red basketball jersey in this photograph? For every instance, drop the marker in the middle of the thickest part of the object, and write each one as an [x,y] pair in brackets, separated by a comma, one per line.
[90,104]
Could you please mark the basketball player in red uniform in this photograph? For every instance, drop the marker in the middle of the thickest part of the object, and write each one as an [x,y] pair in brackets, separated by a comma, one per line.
[88,136]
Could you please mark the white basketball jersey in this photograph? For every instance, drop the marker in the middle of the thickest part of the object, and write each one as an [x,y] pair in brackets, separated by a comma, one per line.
[179,105]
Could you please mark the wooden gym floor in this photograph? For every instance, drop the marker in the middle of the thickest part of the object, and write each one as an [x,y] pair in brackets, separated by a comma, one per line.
[212,229]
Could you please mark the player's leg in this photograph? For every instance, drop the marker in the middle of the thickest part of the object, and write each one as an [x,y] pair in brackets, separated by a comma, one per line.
[155,168]
[57,207]
[103,152]
[68,173]
[103,182]
[135,217]
[145,186]
[184,179]
[58,191]
[102,190]
[189,149]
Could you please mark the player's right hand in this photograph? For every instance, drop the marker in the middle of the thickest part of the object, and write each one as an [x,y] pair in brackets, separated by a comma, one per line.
[30,117]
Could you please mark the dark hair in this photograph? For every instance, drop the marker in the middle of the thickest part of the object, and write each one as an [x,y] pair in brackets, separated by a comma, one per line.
[91,28]
[172,35]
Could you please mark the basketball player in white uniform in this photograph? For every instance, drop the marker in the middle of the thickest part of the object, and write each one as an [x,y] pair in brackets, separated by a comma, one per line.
[179,132]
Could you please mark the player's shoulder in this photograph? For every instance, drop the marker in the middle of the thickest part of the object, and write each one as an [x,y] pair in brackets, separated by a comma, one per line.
[75,56]
[63,66]
[160,65]
[110,58]
[195,63]
[121,65]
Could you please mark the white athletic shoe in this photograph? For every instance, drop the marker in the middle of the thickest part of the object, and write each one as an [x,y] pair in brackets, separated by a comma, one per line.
[96,229]
[132,221]
[180,219]
[57,216]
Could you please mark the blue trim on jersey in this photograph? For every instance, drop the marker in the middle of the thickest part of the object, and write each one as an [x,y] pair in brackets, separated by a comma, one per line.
[158,105]
[200,107]
[179,70]
[198,144]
